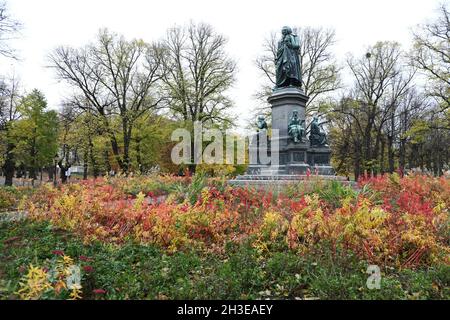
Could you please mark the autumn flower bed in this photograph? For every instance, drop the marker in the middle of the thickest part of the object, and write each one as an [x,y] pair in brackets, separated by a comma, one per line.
[389,221]
[11,196]
[395,223]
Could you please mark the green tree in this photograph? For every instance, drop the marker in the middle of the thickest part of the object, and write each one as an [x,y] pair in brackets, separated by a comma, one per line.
[152,145]
[78,135]
[35,134]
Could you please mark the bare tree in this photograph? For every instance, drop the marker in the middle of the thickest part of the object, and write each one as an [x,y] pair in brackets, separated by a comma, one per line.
[9,102]
[396,94]
[117,79]
[375,74]
[346,136]
[431,54]
[320,72]
[9,29]
[199,72]
[411,108]
[368,114]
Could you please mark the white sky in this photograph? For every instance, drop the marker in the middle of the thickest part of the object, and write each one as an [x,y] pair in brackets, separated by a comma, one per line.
[49,23]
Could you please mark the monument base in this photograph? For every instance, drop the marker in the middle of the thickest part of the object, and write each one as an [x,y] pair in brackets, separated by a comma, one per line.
[298,168]
[297,161]
[265,170]
[278,182]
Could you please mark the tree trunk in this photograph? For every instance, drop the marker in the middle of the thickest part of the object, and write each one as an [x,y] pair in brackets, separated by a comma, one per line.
[377,151]
[107,162]
[357,166]
[138,153]
[383,144]
[20,172]
[367,143]
[85,166]
[8,166]
[391,153]
[92,157]
[32,174]
[126,147]
[116,152]
[192,166]
[402,155]
[51,172]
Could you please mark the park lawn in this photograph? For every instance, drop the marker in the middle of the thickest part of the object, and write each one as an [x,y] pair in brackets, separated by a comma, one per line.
[134,271]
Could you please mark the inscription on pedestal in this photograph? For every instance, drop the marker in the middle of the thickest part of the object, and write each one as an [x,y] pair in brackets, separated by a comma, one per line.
[299,156]
[320,159]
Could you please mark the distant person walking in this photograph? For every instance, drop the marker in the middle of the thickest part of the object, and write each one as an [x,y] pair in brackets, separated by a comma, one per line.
[68,173]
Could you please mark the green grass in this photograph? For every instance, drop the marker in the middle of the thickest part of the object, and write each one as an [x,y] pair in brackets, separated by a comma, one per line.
[133,271]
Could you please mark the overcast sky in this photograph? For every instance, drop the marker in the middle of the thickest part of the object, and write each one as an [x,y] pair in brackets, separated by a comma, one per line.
[358,23]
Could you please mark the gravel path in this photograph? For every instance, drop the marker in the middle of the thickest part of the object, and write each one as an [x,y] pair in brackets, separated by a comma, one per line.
[12,216]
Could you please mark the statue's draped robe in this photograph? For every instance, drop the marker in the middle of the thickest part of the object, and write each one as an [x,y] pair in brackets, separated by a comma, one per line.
[295,129]
[317,137]
[315,129]
[288,63]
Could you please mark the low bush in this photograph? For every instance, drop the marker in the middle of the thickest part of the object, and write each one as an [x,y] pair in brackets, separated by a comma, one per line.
[405,228]
[133,271]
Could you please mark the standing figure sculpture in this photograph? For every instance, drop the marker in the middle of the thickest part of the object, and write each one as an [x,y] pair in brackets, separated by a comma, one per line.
[287,62]
[316,136]
[296,130]
[261,122]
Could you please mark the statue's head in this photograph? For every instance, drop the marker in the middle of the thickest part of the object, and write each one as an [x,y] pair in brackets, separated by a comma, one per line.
[295,113]
[261,118]
[315,119]
[286,30]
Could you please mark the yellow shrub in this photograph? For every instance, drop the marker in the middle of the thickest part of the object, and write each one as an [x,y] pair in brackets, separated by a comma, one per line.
[37,281]
[34,284]
[308,225]
[272,231]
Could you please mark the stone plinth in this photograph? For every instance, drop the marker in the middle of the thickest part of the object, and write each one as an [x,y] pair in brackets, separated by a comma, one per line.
[296,161]
[284,101]
[278,182]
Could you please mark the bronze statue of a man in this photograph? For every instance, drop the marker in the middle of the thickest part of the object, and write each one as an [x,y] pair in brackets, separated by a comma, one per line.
[261,122]
[316,136]
[287,62]
[296,130]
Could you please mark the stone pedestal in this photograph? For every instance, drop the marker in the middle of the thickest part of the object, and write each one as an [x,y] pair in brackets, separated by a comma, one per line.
[296,157]
[284,101]
[296,160]
[292,156]
[318,158]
